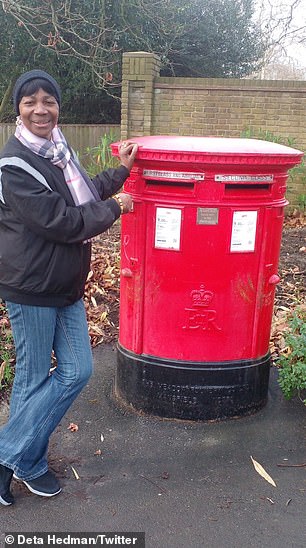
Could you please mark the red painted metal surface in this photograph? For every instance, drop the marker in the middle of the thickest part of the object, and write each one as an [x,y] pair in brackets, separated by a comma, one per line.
[200,250]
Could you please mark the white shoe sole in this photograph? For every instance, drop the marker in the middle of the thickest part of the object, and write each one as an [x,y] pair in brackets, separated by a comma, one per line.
[4,502]
[35,491]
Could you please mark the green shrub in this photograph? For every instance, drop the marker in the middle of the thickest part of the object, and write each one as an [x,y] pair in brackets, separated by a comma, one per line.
[297,172]
[292,361]
[100,157]
[301,199]
[266,135]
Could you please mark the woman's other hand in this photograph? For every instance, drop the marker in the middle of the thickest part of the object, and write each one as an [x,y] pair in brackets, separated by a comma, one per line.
[127,153]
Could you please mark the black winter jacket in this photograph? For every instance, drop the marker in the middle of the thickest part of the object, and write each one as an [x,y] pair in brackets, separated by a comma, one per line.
[43,258]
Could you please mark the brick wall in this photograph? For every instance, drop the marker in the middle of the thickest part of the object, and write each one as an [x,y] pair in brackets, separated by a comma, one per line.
[139,70]
[153,105]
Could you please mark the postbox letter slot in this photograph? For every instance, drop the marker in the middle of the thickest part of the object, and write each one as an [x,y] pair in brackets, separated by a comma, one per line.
[185,184]
[232,186]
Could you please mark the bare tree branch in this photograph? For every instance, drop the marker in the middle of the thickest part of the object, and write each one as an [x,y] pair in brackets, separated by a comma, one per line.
[74,29]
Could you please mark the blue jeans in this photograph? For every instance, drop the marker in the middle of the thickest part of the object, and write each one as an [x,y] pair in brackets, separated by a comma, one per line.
[39,399]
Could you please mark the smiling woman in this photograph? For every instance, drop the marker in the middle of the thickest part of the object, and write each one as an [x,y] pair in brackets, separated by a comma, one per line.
[49,210]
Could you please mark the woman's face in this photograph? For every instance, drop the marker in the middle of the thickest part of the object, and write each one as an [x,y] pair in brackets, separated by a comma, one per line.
[39,113]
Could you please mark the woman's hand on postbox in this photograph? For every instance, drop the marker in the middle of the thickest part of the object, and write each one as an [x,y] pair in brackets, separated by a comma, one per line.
[127,202]
[127,153]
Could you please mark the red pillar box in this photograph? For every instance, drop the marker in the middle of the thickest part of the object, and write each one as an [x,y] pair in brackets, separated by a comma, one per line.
[199,261]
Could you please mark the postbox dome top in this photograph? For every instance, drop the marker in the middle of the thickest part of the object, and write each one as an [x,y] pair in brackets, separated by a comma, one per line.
[213,149]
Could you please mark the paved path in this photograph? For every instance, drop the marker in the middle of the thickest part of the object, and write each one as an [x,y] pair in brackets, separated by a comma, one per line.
[185,484]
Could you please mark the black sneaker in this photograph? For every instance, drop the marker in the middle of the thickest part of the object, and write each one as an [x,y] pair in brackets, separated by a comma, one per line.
[44,486]
[6,497]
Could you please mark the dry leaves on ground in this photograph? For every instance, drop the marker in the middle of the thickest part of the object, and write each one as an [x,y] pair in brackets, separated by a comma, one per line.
[102,288]
[290,293]
[262,472]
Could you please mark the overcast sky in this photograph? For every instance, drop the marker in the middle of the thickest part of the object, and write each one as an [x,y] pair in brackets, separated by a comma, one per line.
[274,13]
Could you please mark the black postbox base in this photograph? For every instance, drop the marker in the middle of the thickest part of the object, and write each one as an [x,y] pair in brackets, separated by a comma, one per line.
[192,390]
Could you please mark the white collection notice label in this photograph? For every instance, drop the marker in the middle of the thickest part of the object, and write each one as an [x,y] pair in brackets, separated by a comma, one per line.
[168,228]
[244,231]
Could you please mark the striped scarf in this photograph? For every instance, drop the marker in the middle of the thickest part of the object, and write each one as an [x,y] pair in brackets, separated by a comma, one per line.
[57,151]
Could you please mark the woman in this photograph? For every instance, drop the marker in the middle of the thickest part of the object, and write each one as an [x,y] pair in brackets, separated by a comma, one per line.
[49,210]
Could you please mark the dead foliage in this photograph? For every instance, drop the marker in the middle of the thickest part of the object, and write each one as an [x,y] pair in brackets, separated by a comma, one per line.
[290,293]
[102,287]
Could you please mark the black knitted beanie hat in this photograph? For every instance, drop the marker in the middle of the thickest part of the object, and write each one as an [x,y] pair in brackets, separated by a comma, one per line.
[32,75]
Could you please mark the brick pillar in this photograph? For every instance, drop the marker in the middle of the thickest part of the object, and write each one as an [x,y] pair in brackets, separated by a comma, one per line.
[139,70]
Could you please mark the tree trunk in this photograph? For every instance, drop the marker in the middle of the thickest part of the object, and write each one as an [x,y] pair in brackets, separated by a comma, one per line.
[6,99]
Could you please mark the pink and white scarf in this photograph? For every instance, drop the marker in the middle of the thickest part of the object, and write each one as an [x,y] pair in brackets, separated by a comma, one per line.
[57,151]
